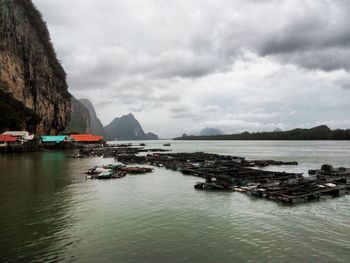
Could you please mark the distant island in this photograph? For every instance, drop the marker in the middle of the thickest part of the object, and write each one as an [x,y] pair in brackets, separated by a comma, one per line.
[85,120]
[322,132]
[127,128]
[208,131]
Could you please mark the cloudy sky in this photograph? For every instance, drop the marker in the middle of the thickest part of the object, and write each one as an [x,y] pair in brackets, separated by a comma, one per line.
[183,65]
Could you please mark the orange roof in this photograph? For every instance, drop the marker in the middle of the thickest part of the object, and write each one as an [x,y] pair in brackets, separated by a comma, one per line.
[86,137]
[7,138]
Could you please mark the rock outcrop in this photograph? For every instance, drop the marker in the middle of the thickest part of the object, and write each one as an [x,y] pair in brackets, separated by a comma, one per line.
[80,121]
[96,126]
[30,72]
[127,128]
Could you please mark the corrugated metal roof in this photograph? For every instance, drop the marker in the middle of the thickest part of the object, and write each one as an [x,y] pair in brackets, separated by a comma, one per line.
[86,137]
[57,138]
[17,133]
[7,138]
[22,134]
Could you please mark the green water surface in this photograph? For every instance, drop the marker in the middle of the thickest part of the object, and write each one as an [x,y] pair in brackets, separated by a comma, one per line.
[50,213]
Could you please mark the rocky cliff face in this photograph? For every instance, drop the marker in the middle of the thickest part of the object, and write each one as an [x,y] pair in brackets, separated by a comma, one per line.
[95,123]
[80,121]
[127,128]
[29,70]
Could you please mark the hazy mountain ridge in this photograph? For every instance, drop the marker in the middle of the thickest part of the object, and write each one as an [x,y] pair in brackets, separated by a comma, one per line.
[210,131]
[322,132]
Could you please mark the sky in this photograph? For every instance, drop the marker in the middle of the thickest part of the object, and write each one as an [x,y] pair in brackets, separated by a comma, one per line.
[182,65]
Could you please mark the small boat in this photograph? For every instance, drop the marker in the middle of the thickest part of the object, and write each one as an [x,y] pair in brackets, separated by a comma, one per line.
[105,175]
[97,170]
[208,186]
[77,155]
[166,144]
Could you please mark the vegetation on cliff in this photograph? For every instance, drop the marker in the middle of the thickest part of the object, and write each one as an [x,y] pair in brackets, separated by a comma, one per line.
[30,72]
[36,19]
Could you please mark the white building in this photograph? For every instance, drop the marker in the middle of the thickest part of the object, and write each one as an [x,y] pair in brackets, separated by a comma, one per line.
[21,135]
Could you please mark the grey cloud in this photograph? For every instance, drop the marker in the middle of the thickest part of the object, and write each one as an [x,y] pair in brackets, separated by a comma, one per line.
[343,83]
[191,111]
[328,59]
[174,63]
[317,41]
[188,59]
[186,111]
[187,115]
[178,109]
[182,43]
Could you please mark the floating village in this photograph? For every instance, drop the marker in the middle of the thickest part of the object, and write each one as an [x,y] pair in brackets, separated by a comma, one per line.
[23,141]
[219,172]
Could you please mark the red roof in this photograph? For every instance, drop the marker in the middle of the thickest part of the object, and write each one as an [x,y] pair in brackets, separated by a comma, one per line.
[7,138]
[86,137]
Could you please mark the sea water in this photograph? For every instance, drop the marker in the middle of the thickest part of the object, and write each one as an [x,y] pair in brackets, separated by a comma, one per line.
[50,213]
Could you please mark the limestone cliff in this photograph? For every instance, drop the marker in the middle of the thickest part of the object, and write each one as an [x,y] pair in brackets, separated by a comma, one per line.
[127,128]
[96,125]
[29,70]
[80,121]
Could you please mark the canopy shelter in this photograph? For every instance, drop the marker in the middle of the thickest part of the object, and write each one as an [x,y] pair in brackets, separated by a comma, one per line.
[7,138]
[86,138]
[55,139]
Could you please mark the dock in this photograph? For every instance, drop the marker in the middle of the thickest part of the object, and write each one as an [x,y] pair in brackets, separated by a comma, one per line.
[21,148]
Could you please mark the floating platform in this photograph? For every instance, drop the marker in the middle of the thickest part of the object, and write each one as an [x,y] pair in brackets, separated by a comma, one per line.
[329,173]
[233,173]
[115,171]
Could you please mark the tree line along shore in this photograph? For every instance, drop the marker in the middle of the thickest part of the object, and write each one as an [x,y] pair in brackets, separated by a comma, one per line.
[317,133]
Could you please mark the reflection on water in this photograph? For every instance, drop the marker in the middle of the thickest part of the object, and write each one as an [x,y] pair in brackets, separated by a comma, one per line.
[34,203]
[49,213]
